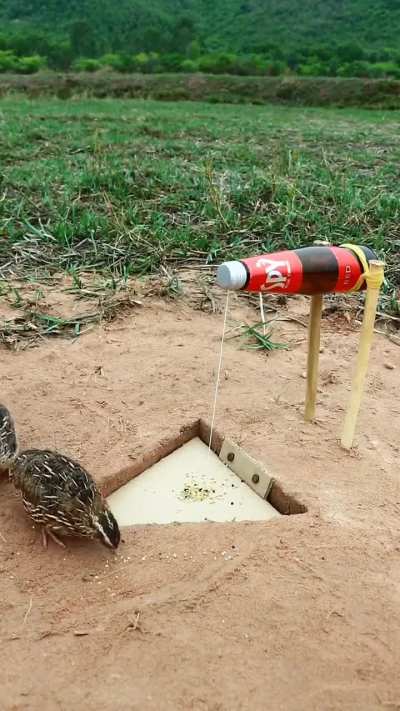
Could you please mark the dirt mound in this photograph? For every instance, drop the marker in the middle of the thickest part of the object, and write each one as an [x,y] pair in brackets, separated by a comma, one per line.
[299,613]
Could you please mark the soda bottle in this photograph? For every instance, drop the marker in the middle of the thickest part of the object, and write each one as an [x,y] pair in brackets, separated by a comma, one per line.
[309,270]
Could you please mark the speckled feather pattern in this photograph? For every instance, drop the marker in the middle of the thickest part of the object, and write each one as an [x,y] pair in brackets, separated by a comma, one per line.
[8,439]
[57,492]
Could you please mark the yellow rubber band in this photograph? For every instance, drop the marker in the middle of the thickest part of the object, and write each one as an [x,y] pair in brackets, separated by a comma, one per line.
[374,281]
[364,263]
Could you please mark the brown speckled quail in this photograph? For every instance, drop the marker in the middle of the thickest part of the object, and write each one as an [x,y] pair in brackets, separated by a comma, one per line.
[56,491]
[8,439]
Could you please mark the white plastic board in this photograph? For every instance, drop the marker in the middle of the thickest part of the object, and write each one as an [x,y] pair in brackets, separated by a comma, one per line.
[191,484]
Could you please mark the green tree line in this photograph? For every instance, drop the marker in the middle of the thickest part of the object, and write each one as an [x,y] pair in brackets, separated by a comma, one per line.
[29,53]
[338,38]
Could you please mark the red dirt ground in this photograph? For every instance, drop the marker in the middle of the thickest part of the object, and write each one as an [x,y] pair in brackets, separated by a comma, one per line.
[298,614]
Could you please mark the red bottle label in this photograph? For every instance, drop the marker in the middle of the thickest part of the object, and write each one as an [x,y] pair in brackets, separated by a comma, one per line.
[280,272]
[310,270]
[349,269]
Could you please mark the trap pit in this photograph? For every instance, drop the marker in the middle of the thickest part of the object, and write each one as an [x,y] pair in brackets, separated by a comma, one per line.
[183,481]
[190,485]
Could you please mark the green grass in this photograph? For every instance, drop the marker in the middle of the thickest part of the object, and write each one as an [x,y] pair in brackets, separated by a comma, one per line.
[125,187]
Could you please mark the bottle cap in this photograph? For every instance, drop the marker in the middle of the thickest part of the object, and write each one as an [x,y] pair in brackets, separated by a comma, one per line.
[231,275]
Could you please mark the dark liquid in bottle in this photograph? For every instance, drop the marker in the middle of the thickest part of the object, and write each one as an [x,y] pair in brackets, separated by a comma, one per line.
[321,268]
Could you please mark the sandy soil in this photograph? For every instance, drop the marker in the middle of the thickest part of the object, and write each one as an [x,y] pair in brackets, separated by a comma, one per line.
[299,613]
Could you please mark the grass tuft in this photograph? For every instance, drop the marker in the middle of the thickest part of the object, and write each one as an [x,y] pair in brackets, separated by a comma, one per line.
[122,188]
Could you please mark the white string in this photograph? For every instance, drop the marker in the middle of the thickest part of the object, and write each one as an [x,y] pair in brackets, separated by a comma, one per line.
[219,371]
[262,313]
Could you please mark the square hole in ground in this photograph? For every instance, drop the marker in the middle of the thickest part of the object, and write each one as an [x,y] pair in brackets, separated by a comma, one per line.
[183,480]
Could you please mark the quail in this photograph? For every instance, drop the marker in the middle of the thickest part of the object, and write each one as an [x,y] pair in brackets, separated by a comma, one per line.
[57,492]
[8,439]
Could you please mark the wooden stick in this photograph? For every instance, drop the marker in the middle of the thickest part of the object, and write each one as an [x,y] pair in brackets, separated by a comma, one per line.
[374,282]
[314,335]
[314,339]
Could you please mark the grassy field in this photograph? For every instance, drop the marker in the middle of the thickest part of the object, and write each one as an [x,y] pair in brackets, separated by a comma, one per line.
[124,187]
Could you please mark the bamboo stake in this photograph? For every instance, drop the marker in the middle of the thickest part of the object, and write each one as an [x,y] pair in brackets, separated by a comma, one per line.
[374,282]
[314,337]
[314,340]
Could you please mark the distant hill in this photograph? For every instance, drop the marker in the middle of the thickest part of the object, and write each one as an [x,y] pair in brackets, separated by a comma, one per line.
[234,25]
